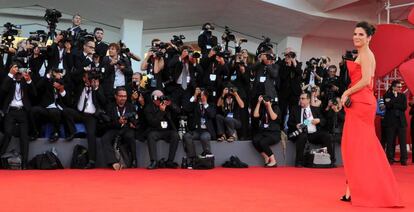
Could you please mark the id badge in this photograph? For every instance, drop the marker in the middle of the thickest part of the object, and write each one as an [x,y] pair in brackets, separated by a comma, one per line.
[214,93]
[188,79]
[230,115]
[153,83]
[213,77]
[233,77]
[265,125]
[262,79]
[150,76]
[208,47]
[164,125]
[60,65]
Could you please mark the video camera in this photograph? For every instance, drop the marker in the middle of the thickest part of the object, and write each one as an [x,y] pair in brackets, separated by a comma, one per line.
[228,35]
[39,36]
[52,17]
[7,37]
[178,40]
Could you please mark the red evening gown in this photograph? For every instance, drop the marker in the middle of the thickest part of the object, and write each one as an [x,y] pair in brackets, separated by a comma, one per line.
[369,175]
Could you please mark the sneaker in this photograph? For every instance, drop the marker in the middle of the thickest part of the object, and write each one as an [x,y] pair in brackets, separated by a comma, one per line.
[190,164]
[207,154]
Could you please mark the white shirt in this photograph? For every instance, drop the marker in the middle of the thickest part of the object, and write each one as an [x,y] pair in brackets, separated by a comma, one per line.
[309,117]
[17,98]
[90,107]
[119,77]
[61,57]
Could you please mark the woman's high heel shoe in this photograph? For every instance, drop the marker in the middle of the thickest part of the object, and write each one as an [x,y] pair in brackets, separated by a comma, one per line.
[345,199]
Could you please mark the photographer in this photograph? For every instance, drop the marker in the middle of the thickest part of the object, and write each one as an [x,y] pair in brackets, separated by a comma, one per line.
[266,112]
[335,118]
[200,124]
[120,129]
[88,99]
[139,97]
[395,122]
[312,75]
[83,60]
[117,71]
[52,101]
[161,127]
[290,83]
[324,64]
[101,47]
[60,55]
[266,80]
[305,125]
[206,40]
[212,76]
[228,120]
[37,63]
[183,69]
[153,65]
[330,85]
[17,92]
[315,95]
[240,77]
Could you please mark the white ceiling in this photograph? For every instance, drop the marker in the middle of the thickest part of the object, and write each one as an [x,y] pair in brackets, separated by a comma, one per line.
[274,18]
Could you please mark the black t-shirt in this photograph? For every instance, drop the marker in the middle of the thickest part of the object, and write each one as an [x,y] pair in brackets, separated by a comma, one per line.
[266,123]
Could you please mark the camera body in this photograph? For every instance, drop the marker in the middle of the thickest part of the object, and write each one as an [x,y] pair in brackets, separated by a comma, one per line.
[228,35]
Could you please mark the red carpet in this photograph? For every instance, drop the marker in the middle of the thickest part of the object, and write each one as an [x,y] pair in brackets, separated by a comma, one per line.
[253,189]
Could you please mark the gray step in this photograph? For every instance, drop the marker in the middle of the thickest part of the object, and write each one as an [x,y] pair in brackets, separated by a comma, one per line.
[221,150]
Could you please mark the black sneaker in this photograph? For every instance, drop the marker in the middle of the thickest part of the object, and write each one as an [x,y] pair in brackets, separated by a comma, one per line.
[184,163]
[171,165]
[190,163]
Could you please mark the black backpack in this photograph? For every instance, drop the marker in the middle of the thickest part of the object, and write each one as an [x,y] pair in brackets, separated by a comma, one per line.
[79,157]
[46,161]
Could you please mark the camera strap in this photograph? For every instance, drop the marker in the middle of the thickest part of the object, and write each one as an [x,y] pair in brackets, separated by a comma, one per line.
[119,109]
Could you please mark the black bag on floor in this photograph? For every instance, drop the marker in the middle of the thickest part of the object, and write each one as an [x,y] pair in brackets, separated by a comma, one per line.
[235,162]
[11,160]
[79,157]
[46,161]
[203,163]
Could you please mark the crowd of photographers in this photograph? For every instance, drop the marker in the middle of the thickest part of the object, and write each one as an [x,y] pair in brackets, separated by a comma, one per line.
[178,94]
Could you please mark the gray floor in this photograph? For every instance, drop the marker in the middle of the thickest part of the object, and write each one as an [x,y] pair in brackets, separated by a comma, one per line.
[222,151]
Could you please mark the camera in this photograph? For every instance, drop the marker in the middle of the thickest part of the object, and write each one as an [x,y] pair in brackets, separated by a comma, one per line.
[39,36]
[264,46]
[194,54]
[291,54]
[161,100]
[124,48]
[157,49]
[130,117]
[301,129]
[7,37]
[228,35]
[23,70]
[53,79]
[267,98]
[349,54]
[178,40]
[52,17]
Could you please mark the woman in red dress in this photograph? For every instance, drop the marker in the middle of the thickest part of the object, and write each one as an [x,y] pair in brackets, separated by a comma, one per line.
[370,179]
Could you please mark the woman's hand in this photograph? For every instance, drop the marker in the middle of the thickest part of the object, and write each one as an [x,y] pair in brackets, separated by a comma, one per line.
[344,98]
